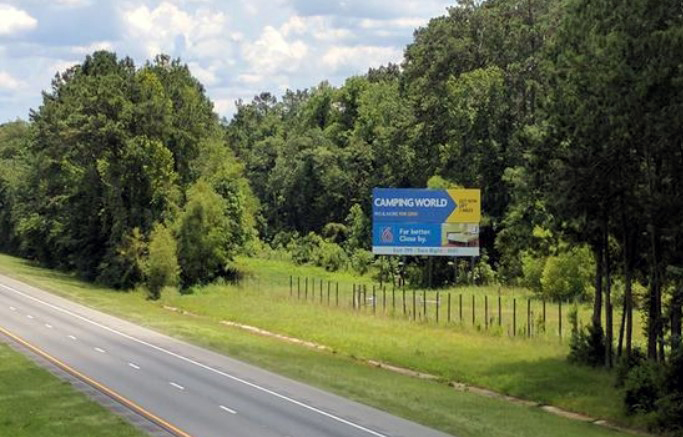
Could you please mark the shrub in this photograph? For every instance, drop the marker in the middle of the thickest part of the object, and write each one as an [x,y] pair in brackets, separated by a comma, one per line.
[305,250]
[656,390]
[568,275]
[626,364]
[208,235]
[670,406]
[162,262]
[361,260]
[483,272]
[335,232]
[331,256]
[587,345]
[387,267]
[642,388]
[532,268]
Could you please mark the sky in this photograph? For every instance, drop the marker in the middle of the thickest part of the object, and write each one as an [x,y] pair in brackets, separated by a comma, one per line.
[236,48]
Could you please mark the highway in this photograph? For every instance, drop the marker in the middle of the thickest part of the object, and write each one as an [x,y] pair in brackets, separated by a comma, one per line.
[188,390]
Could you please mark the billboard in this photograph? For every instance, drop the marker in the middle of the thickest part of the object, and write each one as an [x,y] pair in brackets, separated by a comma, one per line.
[426,222]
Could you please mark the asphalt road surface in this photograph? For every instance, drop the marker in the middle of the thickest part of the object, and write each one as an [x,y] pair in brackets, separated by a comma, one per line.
[192,391]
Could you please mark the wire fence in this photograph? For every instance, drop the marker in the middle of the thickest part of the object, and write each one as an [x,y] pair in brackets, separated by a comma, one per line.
[505,313]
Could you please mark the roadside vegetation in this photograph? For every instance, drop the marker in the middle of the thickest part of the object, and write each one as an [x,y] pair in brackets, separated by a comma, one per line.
[34,403]
[427,402]
[566,114]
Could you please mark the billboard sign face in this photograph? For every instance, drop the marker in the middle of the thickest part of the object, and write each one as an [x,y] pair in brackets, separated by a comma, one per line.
[426,222]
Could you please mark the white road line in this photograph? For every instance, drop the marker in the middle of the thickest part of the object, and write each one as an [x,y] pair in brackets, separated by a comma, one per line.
[134,366]
[229,410]
[29,316]
[178,386]
[48,326]
[12,309]
[102,351]
[72,337]
[198,364]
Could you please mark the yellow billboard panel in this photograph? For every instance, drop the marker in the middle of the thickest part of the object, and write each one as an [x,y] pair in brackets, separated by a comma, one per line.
[468,206]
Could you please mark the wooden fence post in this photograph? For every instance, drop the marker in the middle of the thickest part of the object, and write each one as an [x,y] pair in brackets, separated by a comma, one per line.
[384,299]
[424,303]
[449,307]
[514,317]
[393,299]
[473,305]
[403,291]
[528,317]
[544,316]
[559,311]
[353,297]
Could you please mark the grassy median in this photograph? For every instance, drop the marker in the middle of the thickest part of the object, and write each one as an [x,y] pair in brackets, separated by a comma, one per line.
[534,369]
[35,403]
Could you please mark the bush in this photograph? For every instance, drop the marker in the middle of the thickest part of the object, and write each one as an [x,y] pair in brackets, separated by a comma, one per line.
[656,390]
[335,232]
[642,388]
[568,275]
[361,261]
[670,405]
[331,256]
[208,235]
[162,262]
[532,268]
[626,364]
[483,272]
[305,250]
[587,345]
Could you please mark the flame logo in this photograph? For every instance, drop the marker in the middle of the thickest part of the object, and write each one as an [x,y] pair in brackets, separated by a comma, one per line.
[387,235]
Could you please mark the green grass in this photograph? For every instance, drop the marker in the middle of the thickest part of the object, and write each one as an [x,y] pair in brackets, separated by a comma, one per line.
[534,369]
[35,403]
[477,304]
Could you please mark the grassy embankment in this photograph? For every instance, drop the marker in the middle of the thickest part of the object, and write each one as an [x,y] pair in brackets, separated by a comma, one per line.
[34,403]
[472,309]
[534,369]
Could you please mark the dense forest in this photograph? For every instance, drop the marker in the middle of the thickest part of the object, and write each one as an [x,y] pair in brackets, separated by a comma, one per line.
[568,115]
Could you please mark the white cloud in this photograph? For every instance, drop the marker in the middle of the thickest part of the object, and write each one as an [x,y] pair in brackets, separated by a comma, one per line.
[272,53]
[61,66]
[406,22]
[206,76]
[360,57]
[161,29]
[72,3]
[223,106]
[319,27]
[236,48]
[15,20]
[7,82]
[250,78]
[90,48]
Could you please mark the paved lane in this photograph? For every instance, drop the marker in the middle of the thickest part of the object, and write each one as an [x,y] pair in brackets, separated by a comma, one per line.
[201,393]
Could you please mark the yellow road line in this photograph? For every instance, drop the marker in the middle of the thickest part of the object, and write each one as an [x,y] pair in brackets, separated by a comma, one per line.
[106,390]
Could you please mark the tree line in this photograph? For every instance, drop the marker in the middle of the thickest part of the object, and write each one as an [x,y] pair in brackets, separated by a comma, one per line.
[567,115]
[118,168]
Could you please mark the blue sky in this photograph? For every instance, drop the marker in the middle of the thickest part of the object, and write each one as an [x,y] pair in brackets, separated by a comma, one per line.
[236,48]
